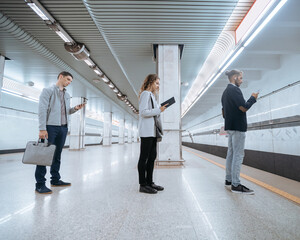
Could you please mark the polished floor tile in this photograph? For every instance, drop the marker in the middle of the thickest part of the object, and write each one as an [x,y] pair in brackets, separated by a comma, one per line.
[104,203]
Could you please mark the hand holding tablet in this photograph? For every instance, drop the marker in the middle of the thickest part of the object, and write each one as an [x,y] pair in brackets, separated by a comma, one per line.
[169,102]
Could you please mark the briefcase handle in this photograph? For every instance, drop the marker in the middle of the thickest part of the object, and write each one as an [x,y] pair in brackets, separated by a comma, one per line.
[46,142]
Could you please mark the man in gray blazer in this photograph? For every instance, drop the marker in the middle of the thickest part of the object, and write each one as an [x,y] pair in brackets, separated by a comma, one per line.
[54,111]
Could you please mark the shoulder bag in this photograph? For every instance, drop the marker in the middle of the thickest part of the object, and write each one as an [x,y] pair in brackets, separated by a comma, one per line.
[158,127]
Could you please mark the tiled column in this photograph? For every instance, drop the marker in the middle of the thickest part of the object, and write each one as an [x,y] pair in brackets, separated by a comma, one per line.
[135,133]
[2,64]
[107,128]
[168,70]
[129,125]
[77,125]
[121,131]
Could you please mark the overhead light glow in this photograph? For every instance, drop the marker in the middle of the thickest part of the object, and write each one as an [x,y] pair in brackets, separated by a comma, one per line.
[97,71]
[17,94]
[38,11]
[105,79]
[89,62]
[214,79]
[265,22]
[232,59]
[62,36]
[115,90]
[111,85]
[228,56]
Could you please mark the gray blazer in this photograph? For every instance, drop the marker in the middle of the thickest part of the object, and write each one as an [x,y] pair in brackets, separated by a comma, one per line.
[146,113]
[50,107]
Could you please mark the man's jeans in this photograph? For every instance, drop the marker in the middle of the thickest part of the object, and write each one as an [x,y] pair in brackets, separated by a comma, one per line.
[57,136]
[235,156]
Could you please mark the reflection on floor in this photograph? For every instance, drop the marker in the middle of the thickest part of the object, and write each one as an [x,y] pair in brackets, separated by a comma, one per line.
[104,203]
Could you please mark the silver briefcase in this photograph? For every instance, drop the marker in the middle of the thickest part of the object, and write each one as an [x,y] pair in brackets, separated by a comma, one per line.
[39,153]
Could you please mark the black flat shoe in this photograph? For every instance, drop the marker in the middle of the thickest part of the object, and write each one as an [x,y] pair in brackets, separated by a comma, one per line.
[60,183]
[147,189]
[43,190]
[158,188]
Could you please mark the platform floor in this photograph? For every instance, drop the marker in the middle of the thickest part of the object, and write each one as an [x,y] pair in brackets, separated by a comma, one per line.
[104,203]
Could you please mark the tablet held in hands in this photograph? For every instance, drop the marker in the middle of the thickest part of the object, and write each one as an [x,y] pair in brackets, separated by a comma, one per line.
[169,102]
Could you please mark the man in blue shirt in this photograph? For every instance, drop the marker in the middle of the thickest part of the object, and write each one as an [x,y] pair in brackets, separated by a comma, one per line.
[234,108]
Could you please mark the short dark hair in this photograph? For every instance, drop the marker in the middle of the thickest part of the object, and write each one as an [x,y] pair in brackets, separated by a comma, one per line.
[64,73]
[232,73]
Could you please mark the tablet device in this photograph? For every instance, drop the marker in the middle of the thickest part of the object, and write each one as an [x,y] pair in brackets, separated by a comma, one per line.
[169,101]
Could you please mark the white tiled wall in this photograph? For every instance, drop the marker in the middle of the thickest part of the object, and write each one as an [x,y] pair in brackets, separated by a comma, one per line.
[284,103]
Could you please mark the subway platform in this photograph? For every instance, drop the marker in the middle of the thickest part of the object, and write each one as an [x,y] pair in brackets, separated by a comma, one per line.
[104,202]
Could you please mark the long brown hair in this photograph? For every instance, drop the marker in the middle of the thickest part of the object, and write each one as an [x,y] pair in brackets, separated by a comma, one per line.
[149,80]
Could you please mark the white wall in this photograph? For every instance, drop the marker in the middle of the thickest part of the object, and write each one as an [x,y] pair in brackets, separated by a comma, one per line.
[19,123]
[285,103]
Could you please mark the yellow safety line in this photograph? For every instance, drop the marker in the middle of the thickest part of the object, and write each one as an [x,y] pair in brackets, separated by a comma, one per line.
[259,183]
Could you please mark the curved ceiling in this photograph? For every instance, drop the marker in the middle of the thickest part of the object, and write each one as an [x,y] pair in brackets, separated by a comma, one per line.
[119,36]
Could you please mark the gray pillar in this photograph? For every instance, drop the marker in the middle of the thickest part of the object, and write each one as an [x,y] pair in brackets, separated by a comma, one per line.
[77,125]
[168,70]
[2,64]
[121,131]
[107,128]
[129,133]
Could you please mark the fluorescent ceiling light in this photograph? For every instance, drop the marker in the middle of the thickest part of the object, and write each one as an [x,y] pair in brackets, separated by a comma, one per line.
[254,15]
[111,85]
[17,94]
[265,22]
[212,82]
[38,11]
[97,71]
[89,62]
[232,59]
[105,79]
[115,90]
[228,56]
[62,36]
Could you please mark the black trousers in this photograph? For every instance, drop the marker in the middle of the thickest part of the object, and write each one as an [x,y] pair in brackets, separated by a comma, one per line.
[146,160]
[57,136]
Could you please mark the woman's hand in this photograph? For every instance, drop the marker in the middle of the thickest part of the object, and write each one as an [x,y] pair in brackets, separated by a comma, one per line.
[163,108]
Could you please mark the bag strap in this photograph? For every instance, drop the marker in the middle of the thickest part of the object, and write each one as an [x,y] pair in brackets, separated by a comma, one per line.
[151,101]
[153,116]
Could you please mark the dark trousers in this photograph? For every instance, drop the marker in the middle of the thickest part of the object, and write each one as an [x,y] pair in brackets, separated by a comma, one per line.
[57,136]
[146,161]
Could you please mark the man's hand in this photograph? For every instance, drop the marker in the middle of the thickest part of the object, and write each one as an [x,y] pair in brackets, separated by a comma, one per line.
[43,134]
[255,95]
[78,107]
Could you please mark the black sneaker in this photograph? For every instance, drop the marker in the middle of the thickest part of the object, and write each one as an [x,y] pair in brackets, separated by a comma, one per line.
[158,188]
[43,190]
[241,189]
[227,184]
[147,189]
[60,183]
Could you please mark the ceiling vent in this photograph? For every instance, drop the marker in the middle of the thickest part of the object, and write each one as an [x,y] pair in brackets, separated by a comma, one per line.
[78,50]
